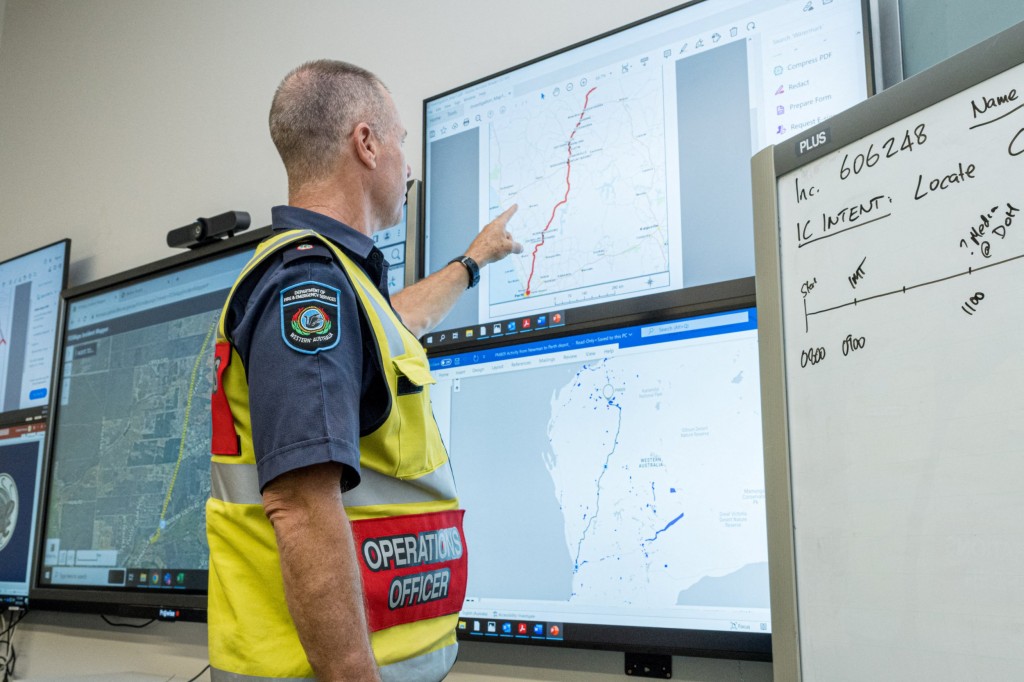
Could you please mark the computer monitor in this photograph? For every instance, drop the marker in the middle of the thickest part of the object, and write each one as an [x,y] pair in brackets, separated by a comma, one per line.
[629,154]
[30,286]
[30,306]
[613,486]
[122,528]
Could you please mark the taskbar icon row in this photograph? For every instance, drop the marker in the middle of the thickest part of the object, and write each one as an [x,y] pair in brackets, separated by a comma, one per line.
[511,629]
[150,578]
[162,578]
[13,601]
[490,330]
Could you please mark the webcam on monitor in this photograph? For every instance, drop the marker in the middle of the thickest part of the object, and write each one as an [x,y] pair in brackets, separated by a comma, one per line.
[206,230]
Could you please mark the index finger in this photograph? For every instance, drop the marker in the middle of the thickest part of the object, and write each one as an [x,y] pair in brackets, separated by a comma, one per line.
[507,213]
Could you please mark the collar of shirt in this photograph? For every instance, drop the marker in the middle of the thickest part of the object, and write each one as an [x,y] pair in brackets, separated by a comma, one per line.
[353,242]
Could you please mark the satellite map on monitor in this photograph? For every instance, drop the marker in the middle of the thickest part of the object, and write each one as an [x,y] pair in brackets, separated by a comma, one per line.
[131,451]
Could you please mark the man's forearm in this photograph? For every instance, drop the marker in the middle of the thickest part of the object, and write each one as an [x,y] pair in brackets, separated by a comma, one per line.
[423,305]
[321,575]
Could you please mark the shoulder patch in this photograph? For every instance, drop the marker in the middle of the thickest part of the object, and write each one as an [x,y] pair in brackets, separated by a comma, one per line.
[306,250]
[309,317]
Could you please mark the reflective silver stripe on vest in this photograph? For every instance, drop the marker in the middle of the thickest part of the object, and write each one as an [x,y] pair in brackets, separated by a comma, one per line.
[376,488]
[239,484]
[235,483]
[224,676]
[430,667]
[396,344]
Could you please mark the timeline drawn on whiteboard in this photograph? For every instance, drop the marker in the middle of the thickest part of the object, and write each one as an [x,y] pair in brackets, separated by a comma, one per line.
[996,223]
[904,289]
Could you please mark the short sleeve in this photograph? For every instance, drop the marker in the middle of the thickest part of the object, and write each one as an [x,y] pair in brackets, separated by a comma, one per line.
[300,340]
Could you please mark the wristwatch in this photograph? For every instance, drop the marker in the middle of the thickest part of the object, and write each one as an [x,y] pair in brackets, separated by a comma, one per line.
[471,267]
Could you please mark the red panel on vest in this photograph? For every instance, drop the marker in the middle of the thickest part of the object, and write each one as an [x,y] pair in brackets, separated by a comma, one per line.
[413,567]
[224,440]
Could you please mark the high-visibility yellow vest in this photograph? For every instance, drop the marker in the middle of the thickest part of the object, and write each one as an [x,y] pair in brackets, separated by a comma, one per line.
[404,513]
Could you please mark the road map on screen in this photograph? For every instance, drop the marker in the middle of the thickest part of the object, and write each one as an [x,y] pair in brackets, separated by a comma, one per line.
[593,155]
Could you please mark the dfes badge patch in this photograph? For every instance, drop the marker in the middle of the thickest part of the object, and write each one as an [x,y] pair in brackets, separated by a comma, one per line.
[309,317]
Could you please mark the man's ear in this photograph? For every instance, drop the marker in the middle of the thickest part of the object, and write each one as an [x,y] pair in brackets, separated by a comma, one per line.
[365,144]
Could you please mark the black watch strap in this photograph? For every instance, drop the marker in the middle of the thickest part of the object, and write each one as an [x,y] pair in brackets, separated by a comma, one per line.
[471,267]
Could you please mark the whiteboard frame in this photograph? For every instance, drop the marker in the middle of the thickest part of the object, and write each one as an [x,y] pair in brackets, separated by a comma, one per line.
[944,80]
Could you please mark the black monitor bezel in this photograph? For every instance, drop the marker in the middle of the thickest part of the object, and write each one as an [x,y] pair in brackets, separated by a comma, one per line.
[124,602]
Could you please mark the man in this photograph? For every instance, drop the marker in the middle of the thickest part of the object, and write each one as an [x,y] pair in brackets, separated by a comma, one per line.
[333,520]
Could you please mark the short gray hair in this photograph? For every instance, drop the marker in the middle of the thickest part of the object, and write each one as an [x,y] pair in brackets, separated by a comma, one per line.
[316,107]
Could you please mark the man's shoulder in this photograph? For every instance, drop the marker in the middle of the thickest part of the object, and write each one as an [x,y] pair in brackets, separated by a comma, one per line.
[284,271]
[292,262]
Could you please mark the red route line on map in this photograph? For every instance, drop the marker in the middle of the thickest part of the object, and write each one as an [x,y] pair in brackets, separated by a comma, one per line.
[568,187]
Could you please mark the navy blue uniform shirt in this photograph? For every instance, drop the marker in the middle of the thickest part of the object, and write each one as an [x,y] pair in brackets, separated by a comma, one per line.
[309,401]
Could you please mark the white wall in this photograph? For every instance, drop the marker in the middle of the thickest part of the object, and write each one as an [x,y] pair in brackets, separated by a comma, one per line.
[122,119]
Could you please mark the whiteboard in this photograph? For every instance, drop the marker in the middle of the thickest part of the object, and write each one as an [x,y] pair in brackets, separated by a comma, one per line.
[890,272]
